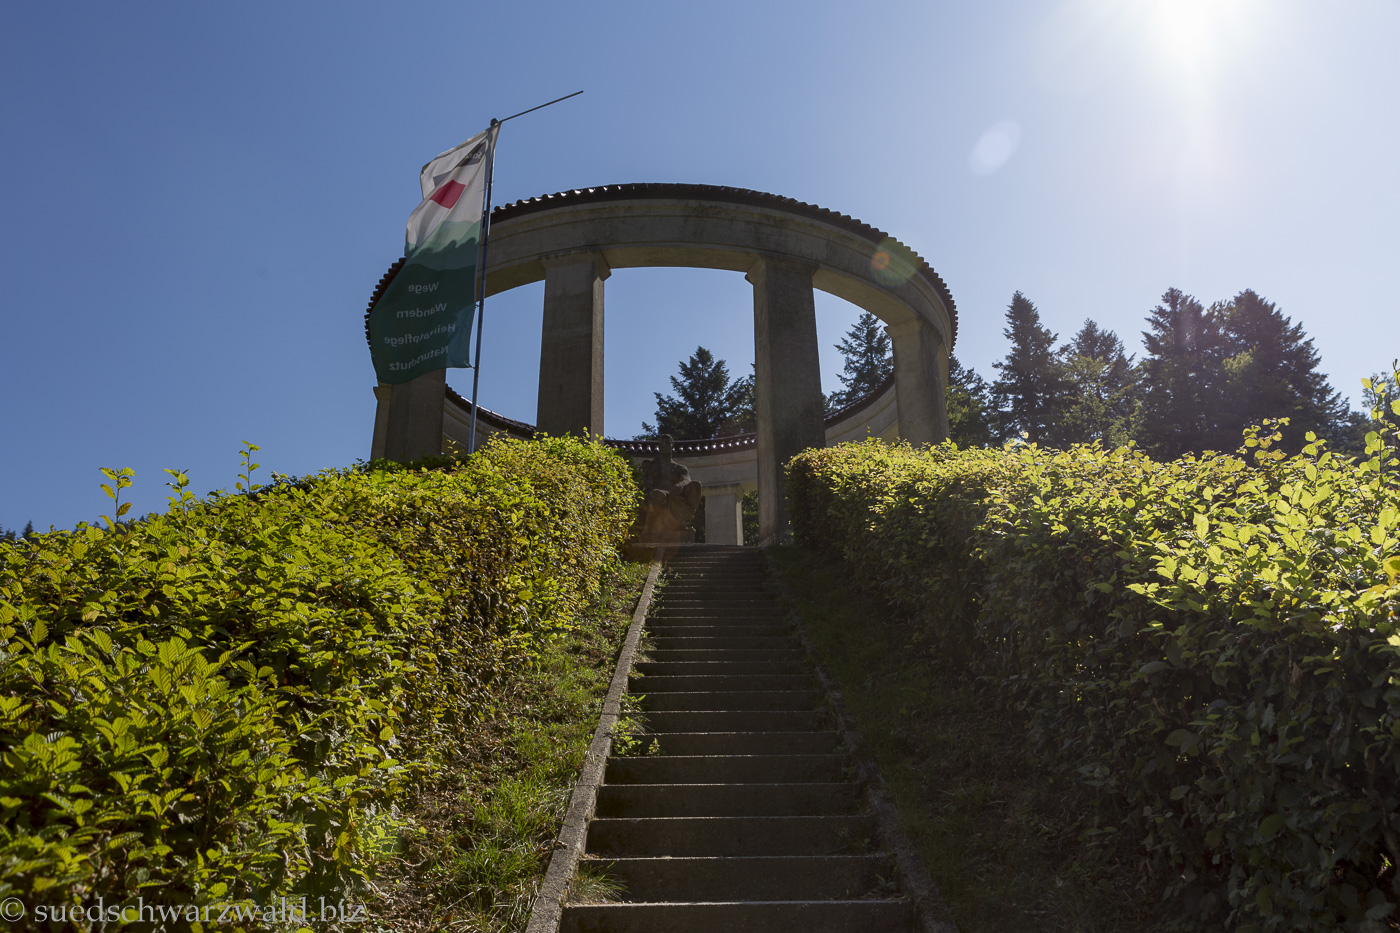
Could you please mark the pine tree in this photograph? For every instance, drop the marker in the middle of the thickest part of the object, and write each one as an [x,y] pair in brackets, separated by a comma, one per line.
[1182,379]
[969,406]
[1101,404]
[28,531]
[1271,372]
[1029,396]
[743,410]
[869,362]
[706,403]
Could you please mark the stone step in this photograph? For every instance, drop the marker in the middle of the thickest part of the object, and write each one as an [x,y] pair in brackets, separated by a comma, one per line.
[716,575]
[739,743]
[636,800]
[761,655]
[707,591]
[761,878]
[719,668]
[753,642]
[728,594]
[675,601]
[708,610]
[726,769]
[699,683]
[732,700]
[667,629]
[858,916]
[734,721]
[731,835]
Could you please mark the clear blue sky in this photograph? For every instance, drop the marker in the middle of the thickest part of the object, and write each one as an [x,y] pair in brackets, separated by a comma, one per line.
[198,198]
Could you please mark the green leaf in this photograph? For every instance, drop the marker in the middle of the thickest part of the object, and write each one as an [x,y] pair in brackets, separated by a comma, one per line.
[1183,738]
[1270,825]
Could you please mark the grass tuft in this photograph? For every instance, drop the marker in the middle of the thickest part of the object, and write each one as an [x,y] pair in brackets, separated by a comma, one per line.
[480,842]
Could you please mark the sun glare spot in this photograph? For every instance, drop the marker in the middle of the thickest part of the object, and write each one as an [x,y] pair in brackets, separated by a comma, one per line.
[892,263]
[994,148]
[1193,36]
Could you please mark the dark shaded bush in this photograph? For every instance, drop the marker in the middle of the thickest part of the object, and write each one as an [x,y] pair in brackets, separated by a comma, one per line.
[1213,644]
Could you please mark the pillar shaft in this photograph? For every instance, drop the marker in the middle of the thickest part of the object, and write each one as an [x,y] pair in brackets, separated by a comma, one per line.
[787,381]
[920,377]
[724,516]
[571,346]
[408,419]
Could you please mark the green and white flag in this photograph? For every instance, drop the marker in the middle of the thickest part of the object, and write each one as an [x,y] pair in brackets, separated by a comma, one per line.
[423,321]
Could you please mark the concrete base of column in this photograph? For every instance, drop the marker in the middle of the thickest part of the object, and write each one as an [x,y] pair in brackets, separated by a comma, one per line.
[408,420]
[724,515]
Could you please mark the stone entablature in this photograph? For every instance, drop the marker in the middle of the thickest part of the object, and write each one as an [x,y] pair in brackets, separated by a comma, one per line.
[574,240]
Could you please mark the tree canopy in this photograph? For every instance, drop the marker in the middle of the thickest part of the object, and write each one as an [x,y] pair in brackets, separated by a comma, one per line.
[706,401]
[1030,394]
[866,348]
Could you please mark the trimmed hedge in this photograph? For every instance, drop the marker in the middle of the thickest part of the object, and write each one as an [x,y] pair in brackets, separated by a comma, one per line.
[1214,645]
[222,703]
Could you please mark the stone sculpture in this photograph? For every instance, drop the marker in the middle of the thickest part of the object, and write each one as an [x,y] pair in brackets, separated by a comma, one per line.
[671,499]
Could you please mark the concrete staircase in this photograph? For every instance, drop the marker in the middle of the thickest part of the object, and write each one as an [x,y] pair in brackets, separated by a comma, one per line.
[737,810]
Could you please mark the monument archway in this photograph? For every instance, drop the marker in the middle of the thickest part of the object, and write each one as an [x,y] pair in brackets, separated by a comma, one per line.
[573,240]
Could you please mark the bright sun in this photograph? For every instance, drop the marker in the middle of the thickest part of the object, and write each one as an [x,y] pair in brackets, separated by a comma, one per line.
[1194,36]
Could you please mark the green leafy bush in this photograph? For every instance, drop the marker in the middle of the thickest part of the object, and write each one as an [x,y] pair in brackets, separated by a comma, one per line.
[224,702]
[1214,644]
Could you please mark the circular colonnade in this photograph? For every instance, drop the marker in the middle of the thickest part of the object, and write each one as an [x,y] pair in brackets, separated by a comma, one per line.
[573,241]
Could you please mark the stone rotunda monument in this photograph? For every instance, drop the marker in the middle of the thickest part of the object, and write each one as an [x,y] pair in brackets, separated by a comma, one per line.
[574,240]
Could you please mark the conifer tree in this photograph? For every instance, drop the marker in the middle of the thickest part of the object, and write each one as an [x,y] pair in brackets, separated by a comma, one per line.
[706,400]
[743,410]
[1101,378]
[1029,395]
[869,361]
[1271,372]
[969,406]
[1182,379]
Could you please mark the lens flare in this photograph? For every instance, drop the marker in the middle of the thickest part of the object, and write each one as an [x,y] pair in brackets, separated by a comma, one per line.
[892,263]
[994,148]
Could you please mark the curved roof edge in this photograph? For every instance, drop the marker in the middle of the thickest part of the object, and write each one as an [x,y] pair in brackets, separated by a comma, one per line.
[717,193]
[713,445]
[727,195]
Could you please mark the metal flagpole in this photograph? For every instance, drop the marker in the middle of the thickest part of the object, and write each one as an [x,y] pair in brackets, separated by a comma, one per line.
[481,260]
[481,282]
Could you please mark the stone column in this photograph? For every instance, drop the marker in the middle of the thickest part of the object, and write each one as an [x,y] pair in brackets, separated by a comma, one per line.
[787,381]
[920,377]
[408,418]
[724,515]
[571,346]
[381,419]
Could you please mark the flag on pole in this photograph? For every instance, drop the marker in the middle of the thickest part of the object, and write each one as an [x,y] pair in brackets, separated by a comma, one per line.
[423,320]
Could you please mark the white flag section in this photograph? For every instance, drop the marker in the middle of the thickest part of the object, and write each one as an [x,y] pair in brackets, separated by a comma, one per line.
[422,322]
[453,186]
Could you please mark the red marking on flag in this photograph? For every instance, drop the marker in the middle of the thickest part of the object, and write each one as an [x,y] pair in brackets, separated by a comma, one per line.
[448,194]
